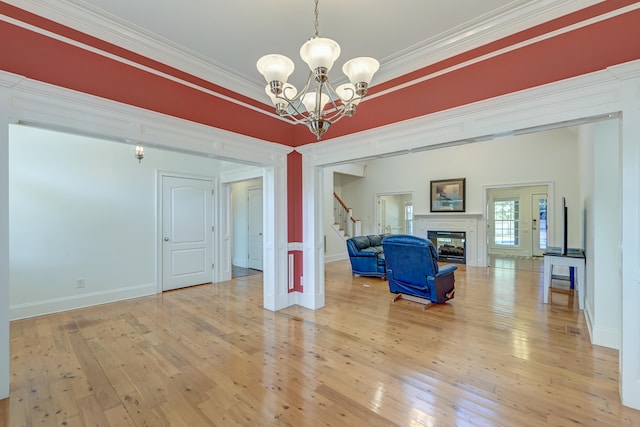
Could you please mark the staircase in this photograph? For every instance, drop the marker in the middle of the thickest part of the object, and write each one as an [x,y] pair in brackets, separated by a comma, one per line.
[344,220]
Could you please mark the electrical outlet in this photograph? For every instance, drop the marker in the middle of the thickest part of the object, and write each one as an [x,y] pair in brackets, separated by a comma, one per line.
[80,283]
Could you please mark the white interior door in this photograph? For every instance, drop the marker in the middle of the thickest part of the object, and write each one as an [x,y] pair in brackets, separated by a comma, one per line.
[186,232]
[538,224]
[255,228]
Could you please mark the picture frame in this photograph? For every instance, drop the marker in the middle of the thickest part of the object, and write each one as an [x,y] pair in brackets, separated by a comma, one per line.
[448,195]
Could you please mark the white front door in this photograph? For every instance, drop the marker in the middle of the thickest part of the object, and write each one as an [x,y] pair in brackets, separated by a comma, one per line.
[538,224]
[186,232]
[255,228]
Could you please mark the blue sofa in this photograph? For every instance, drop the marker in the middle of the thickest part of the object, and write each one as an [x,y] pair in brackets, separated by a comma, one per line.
[412,269]
[366,255]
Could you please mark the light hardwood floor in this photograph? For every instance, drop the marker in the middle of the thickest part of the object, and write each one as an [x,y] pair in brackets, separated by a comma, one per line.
[211,356]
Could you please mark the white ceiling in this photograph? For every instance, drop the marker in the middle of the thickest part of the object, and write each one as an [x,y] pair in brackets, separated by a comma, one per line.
[220,40]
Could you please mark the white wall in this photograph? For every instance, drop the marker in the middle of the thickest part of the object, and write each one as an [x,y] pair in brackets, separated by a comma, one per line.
[240,218]
[532,158]
[83,208]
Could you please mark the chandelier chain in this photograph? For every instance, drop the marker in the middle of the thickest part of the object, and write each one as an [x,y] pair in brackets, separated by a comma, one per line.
[316,15]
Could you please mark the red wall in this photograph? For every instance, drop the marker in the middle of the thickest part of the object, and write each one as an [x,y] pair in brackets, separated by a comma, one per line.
[294,217]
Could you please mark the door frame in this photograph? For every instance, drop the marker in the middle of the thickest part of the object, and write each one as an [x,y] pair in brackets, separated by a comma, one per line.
[485,203]
[535,249]
[249,189]
[160,175]
[377,205]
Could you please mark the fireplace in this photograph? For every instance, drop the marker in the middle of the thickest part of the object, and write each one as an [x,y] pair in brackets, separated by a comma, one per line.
[451,245]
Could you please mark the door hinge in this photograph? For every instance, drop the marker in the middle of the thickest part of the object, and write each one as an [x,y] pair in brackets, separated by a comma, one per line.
[213,265]
[213,228]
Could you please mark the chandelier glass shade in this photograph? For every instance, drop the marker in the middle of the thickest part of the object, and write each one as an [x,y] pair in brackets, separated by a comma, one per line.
[318,104]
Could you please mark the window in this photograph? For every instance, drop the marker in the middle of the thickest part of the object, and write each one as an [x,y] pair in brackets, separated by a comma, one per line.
[505,221]
[542,206]
[408,217]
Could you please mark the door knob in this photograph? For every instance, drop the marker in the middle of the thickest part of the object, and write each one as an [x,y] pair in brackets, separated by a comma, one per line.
[166,239]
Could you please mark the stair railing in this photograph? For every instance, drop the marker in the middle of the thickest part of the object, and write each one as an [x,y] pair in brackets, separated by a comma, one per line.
[343,217]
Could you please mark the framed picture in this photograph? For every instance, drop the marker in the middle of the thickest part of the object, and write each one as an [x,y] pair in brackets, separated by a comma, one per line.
[447,195]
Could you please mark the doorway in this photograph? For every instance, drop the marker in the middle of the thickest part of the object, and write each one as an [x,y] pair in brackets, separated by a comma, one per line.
[539,202]
[247,233]
[394,213]
[255,228]
[187,252]
[517,221]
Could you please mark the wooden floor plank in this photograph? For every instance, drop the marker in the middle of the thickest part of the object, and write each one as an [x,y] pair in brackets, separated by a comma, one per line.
[210,355]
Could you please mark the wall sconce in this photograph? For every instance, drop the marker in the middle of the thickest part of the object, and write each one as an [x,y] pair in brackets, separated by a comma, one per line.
[139,154]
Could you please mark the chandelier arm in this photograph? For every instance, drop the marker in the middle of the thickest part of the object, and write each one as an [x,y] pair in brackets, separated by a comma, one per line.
[301,93]
[337,113]
[344,102]
[297,115]
[340,109]
[333,95]
[336,118]
[334,98]
[297,120]
[295,102]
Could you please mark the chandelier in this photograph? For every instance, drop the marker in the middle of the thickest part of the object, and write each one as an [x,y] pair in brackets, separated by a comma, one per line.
[318,104]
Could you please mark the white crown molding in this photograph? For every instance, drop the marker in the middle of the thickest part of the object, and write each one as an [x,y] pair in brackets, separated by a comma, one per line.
[518,16]
[48,106]
[515,17]
[506,49]
[9,79]
[85,18]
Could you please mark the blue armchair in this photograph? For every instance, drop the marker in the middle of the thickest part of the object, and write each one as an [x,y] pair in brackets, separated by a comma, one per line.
[366,256]
[412,269]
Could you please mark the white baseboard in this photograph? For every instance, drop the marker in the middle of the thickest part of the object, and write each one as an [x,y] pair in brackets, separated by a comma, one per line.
[335,257]
[604,337]
[56,305]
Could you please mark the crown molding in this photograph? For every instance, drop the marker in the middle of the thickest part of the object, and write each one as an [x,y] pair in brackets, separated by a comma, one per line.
[503,22]
[88,19]
[51,107]
[9,79]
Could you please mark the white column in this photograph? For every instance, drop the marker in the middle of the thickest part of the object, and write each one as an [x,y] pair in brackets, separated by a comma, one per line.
[4,244]
[313,233]
[275,272]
